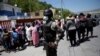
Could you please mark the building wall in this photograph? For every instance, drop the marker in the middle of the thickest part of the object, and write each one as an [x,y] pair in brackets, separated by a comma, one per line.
[9,10]
[40,14]
[33,14]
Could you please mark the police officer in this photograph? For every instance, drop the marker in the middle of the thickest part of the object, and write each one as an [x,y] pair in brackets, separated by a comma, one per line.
[49,34]
[89,25]
[81,26]
[71,30]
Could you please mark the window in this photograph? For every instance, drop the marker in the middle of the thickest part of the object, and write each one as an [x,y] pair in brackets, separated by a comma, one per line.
[37,14]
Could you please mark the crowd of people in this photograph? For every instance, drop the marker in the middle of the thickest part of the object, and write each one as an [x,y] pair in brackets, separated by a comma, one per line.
[51,31]
[18,36]
[79,25]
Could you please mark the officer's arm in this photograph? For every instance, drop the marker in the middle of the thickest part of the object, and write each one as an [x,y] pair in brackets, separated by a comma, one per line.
[54,27]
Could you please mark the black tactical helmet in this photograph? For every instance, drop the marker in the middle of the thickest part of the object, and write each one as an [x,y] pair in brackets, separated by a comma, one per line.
[48,13]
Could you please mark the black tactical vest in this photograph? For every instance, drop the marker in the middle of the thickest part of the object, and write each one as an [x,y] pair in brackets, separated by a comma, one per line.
[48,33]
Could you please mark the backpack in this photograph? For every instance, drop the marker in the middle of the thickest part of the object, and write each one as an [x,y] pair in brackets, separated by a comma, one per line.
[90,23]
[71,25]
[82,24]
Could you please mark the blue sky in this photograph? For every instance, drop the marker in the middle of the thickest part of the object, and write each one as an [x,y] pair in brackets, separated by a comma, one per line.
[76,5]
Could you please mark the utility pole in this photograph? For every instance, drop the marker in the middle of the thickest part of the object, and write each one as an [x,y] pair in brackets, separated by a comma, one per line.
[61,8]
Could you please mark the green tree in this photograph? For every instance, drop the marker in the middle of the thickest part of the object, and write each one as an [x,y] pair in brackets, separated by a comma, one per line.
[30,5]
[63,13]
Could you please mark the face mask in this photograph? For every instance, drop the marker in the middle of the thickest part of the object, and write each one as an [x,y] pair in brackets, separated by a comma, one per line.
[44,22]
[45,18]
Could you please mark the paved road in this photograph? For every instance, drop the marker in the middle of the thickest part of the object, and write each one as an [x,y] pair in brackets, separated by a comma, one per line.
[88,48]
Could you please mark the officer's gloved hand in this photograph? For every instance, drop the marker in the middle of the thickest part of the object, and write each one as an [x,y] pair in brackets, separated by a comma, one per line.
[53,45]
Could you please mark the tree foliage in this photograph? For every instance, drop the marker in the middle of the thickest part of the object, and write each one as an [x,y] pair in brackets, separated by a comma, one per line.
[63,12]
[30,5]
[36,5]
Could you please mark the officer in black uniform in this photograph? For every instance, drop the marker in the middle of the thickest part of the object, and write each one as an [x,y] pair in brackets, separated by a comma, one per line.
[81,26]
[89,25]
[49,34]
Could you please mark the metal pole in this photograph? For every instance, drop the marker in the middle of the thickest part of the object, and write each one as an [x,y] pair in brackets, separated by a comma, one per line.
[61,9]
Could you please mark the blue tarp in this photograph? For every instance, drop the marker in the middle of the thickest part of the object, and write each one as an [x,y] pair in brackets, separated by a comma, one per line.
[10,13]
